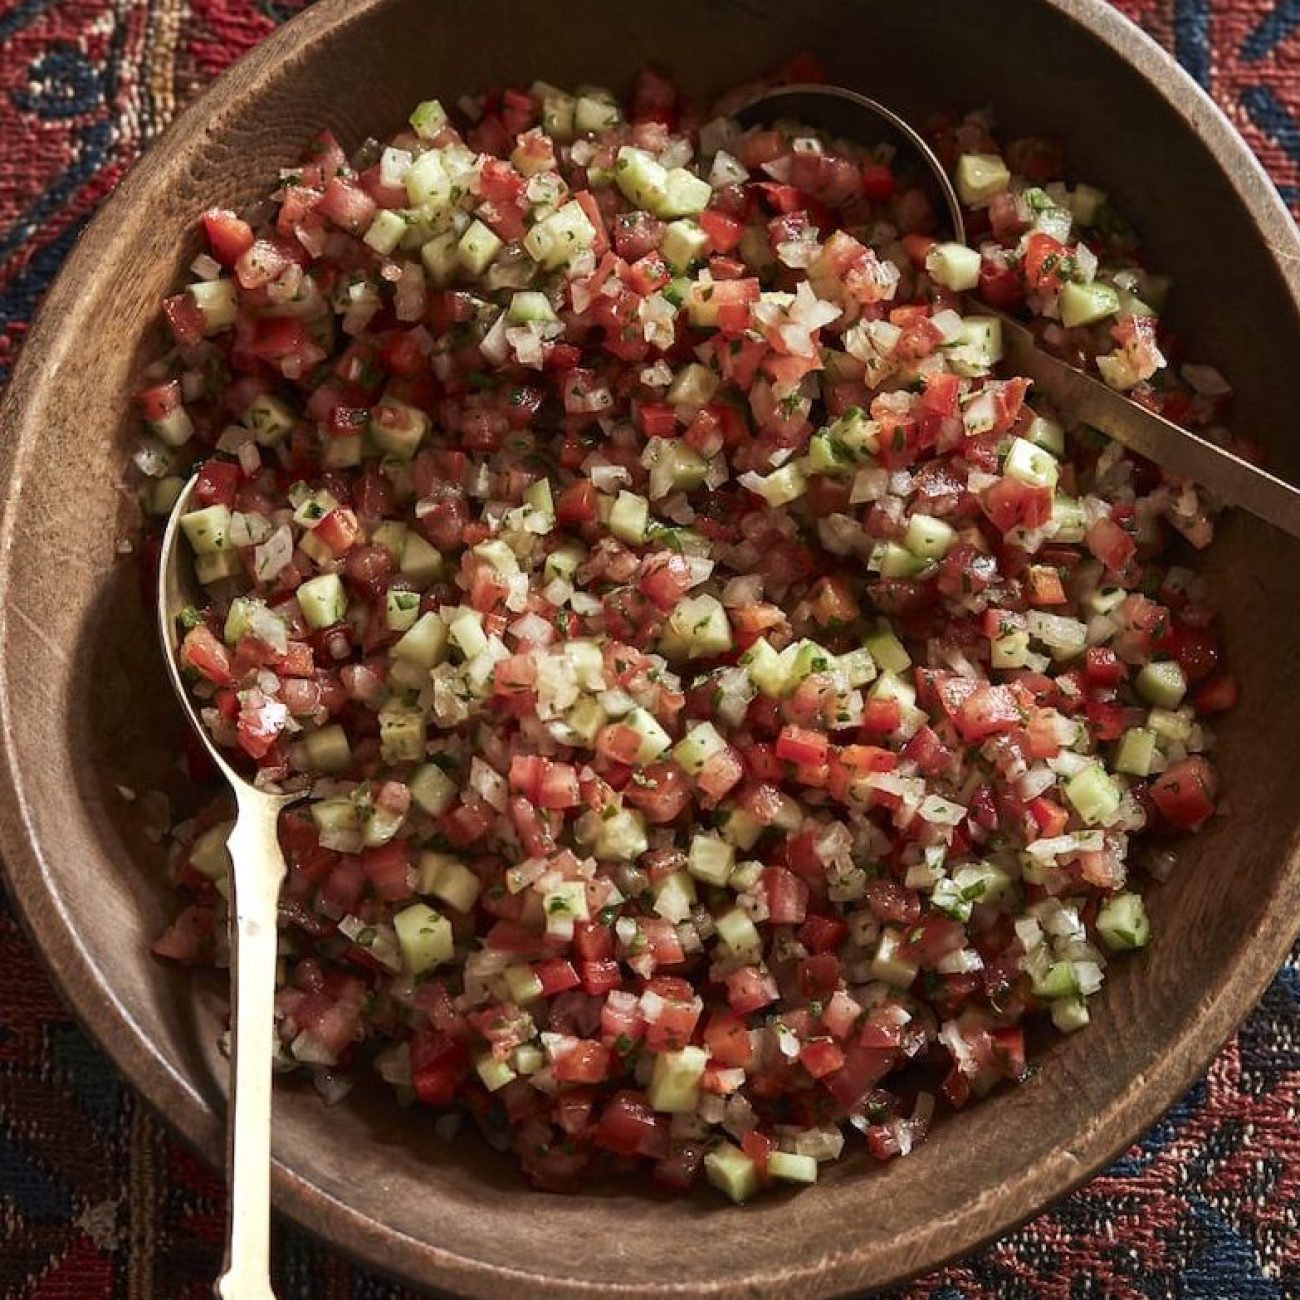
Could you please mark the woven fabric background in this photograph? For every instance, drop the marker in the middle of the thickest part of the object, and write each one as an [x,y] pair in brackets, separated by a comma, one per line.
[98,1203]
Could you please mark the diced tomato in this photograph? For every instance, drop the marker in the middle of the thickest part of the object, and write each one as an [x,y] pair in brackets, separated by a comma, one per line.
[1184,793]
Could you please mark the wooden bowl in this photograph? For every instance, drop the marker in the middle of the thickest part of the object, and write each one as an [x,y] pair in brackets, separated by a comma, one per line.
[85,709]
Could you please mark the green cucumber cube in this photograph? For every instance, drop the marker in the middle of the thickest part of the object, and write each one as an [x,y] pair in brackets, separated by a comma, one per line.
[207,530]
[675,1081]
[1162,684]
[1085,304]
[683,243]
[327,749]
[424,937]
[401,735]
[449,879]
[432,789]
[699,745]
[424,643]
[711,859]
[477,247]
[791,1167]
[1095,796]
[1137,750]
[401,609]
[980,177]
[954,266]
[322,600]
[731,1171]
[1123,924]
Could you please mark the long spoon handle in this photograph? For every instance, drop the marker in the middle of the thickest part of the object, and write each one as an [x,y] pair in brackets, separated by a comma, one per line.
[257,870]
[1230,478]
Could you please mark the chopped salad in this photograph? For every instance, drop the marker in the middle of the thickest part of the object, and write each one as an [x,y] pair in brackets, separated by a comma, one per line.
[728,708]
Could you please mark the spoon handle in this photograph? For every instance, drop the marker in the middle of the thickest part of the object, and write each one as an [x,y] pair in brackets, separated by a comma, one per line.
[1232,479]
[257,870]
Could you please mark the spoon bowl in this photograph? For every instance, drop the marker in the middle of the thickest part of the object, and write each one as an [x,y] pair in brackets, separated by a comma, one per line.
[257,870]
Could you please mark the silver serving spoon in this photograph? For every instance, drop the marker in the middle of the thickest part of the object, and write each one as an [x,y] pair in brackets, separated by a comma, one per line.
[257,869]
[1237,482]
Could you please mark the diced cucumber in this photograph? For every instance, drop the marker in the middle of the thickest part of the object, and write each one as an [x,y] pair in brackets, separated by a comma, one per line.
[1162,684]
[954,266]
[1137,749]
[683,243]
[790,1167]
[209,855]
[327,749]
[1057,980]
[386,231]
[494,1074]
[766,668]
[207,530]
[428,185]
[1069,1014]
[982,882]
[341,452]
[593,114]
[711,859]
[826,456]
[424,643]
[401,609]
[529,305]
[322,600]
[1011,650]
[522,984]
[466,633]
[398,428]
[1085,304]
[622,837]
[780,487]
[929,537]
[702,625]
[439,257]
[1086,202]
[630,517]
[1030,464]
[1046,434]
[557,111]
[1123,924]
[895,561]
[424,937]
[218,304]
[699,745]
[890,686]
[335,815]
[978,346]
[641,177]
[745,876]
[564,905]
[477,247]
[379,825]
[1171,726]
[584,721]
[401,735]
[163,493]
[1069,522]
[693,385]
[1095,796]
[420,561]
[979,177]
[740,935]
[858,667]
[675,466]
[684,194]
[888,651]
[553,241]
[731,1171]
[675,1081]
[428,119]
[654,739]
[856,433]
[562,564]
[391,535]
[742,831]
[449,879]
[674,896]
[888,965]
[432,789]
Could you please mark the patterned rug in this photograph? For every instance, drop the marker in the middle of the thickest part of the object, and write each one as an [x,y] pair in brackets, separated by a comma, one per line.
[98,1203]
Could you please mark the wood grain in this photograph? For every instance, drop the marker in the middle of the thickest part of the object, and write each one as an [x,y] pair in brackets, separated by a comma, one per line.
[83,707]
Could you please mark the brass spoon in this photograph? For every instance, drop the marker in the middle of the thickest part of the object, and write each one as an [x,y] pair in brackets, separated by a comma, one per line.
[1233,480]
[257,870]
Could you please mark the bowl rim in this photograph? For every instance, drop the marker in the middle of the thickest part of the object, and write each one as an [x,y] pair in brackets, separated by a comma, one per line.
[109,1021]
